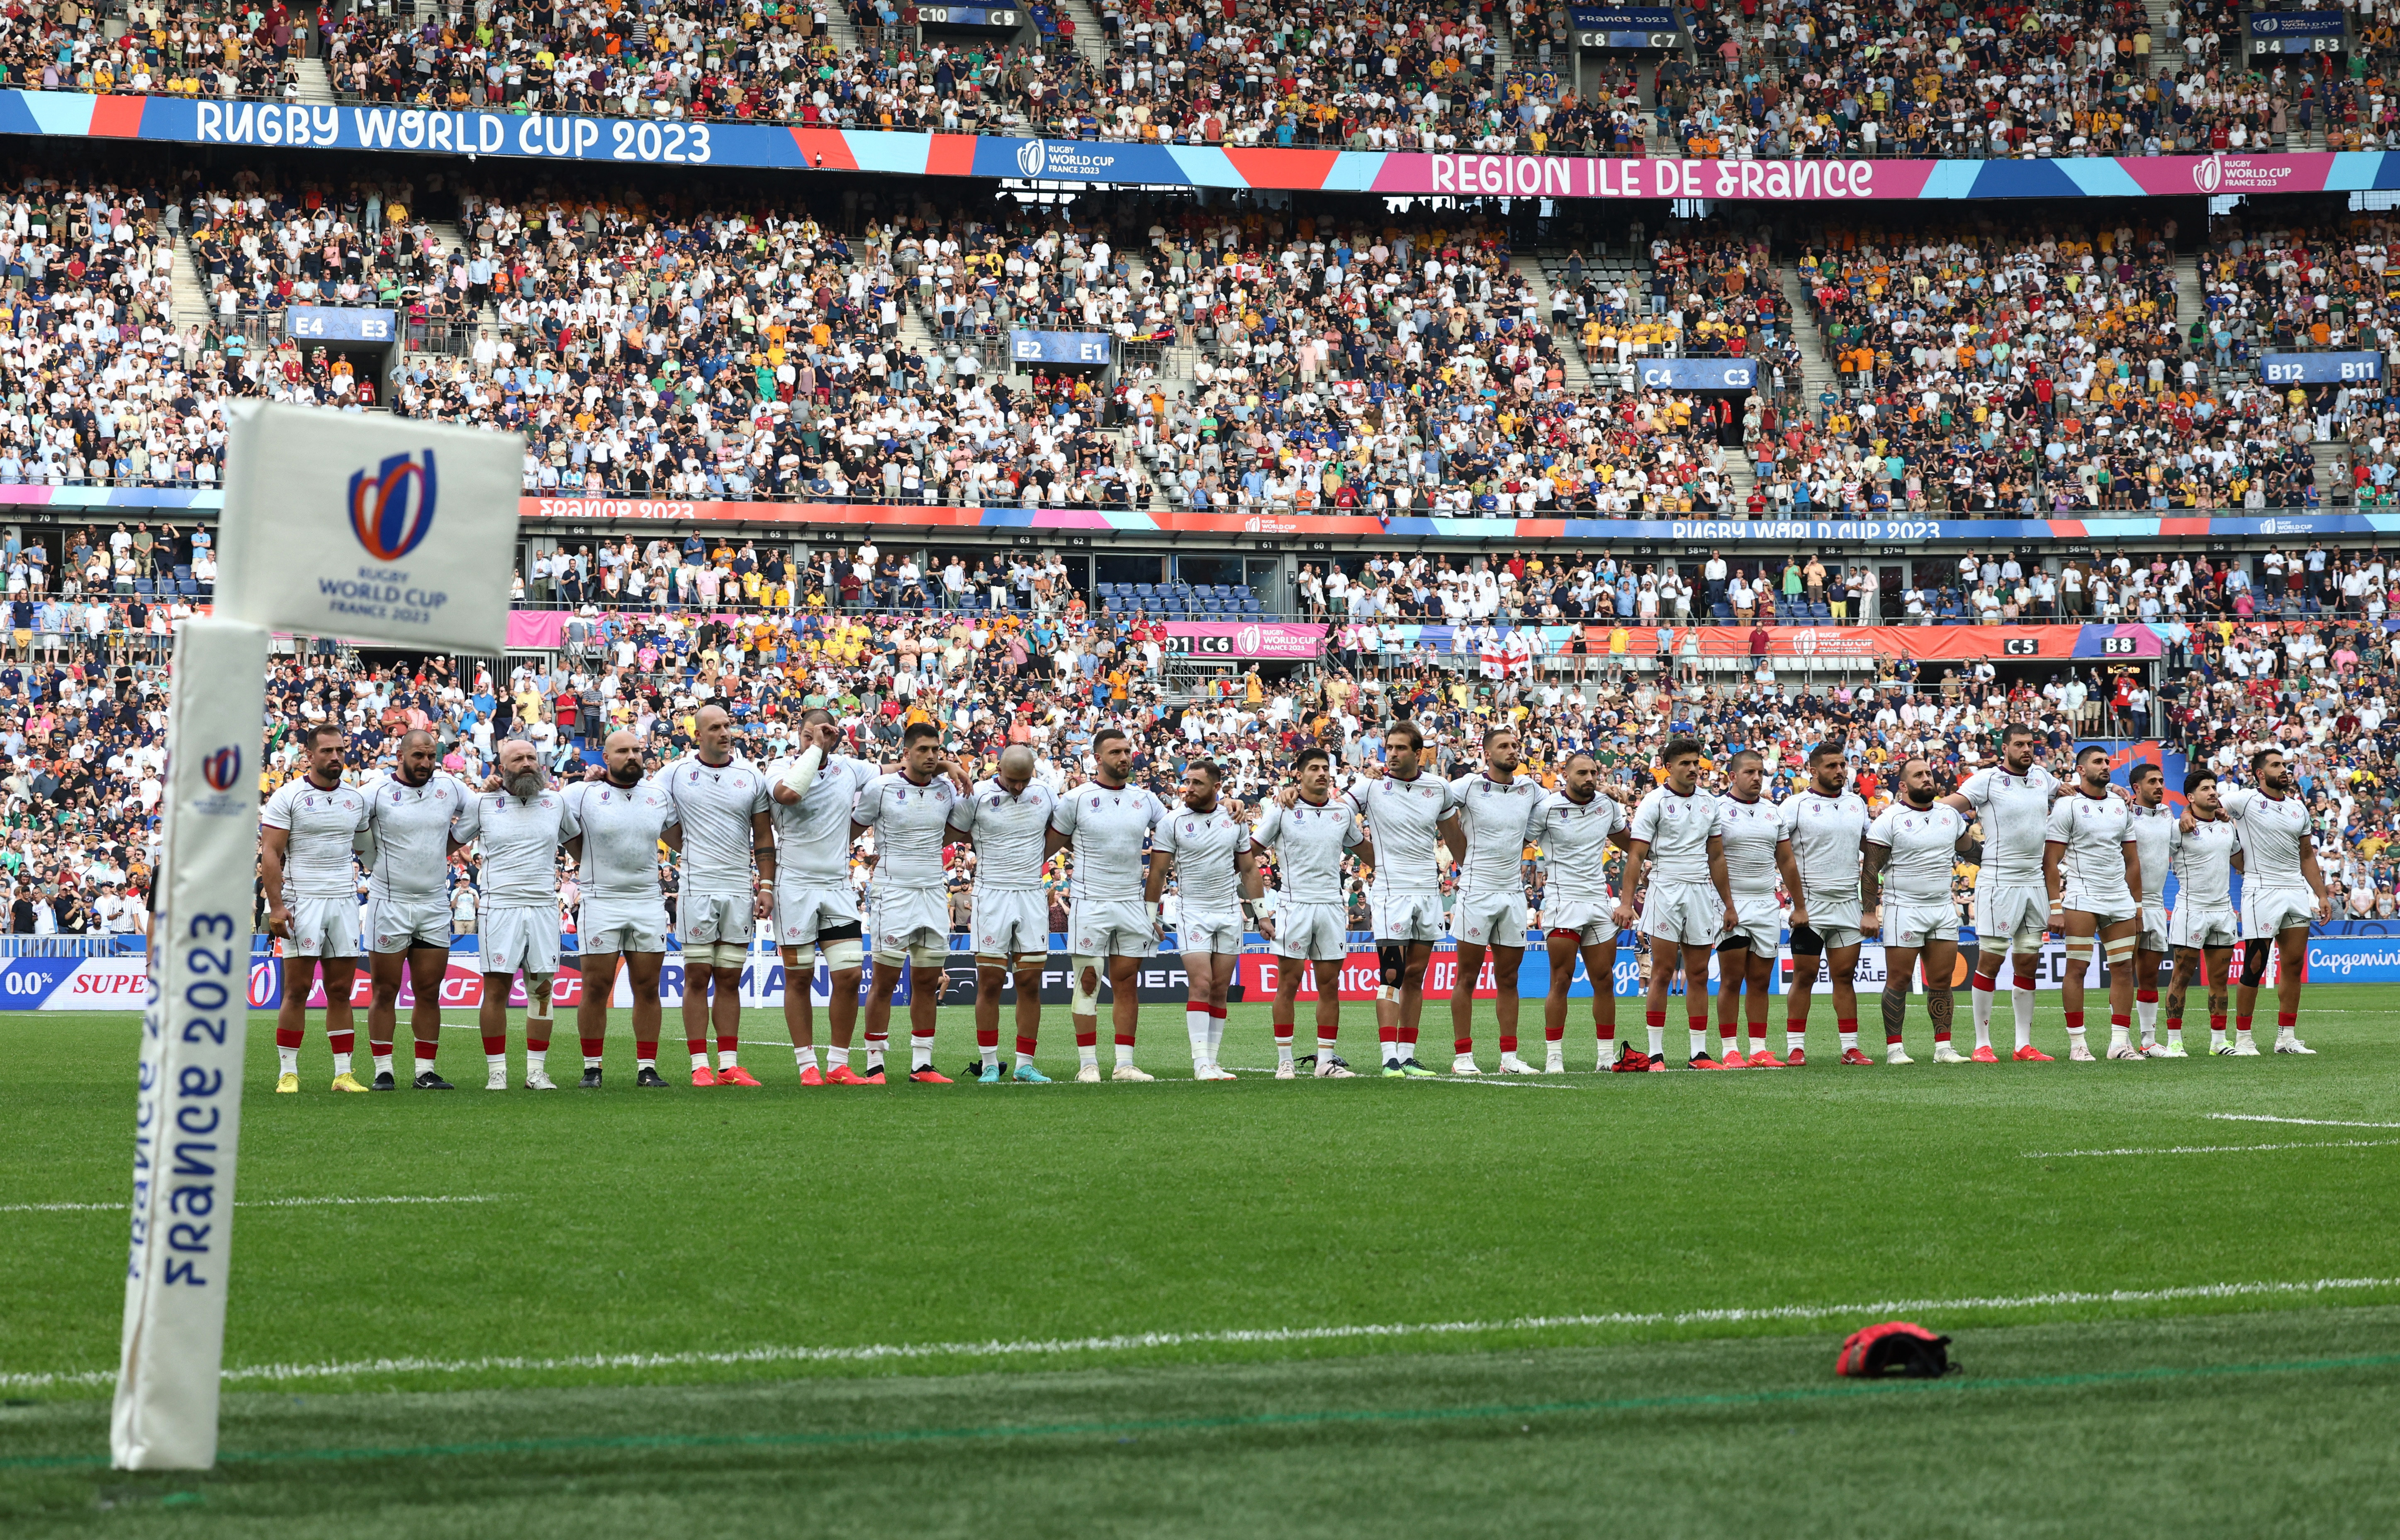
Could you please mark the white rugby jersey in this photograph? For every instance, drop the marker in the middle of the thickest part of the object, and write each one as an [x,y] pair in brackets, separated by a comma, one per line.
[519,844]
[1309,840]
[1751,831]
[2016,814]
[621,825]
[1924,846]
[1009,833]
[2095,831]
[1574,836]
[316,861]
[1405,817]
[2275,831]
[1494,817]
[2202,863]
[413,827]
[911,824]
[1108,829]
[1679,829]
[1204,846]
[2154,830]
[812,835]
[715,804]
[1825,834]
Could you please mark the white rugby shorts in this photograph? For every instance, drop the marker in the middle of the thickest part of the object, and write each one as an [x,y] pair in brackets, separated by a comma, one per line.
[1688,914]
[2192,925]
[608,925]
[1312,933]
[2152,936]
[405,924]
[1759,920]
[1912,925]
[520,936]
[1012,922]
[323,927]
[1404,917]
[1489,920]
[1835,921]
[1111,927]
[711,919]
[805,910]
[909,918]
[2109,908]
[2267,912]
[1592,922]
[2011,915]
[1218,932]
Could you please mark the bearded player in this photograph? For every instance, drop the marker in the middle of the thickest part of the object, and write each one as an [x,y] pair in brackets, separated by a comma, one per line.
[1575,826]
[1491,811]
[815,907]
[1912,849]
[2093,869]
[2282,889]
[1408,816]
[2154,832]
[1007,819]
[2205,926]
[519,831]
[1310,830]
[1678,840]
[417,819]
[1104,823]
[1751,826]
[1820,852]
[625,817]
[909,811]
[307,832]
[2012,802]
[1218,884]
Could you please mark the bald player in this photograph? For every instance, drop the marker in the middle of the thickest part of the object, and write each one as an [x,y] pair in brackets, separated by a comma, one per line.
[520,829]
[625,817]
[416,818]
[727,886]
[816,908]
[307,832]
[1007,820]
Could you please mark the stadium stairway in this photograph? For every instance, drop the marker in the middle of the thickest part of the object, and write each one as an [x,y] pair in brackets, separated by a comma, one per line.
[1089,43]
[453,239]
[1817,374]
[2164,55]
[1537,270]
[316,86]
[190,296]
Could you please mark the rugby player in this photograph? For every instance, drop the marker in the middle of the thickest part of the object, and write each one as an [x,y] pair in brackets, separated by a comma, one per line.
[909,811]
[2092,867]
[1007,819]
[1820,850]
[1310,830]
[624,816]
[307,832]
[1217,887]
[416,819]
[2011,800]
[2154,830]
[1408,816]
[720,798]
[1490,811]
[2282,889]
[519,832]
[1751,827]
[2205,926]
[1688,907]
[1575,826]
[1111,932]
[810,796]
[1911,848]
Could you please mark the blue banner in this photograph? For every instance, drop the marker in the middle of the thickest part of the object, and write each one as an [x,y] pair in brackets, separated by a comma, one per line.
[1696,373]
[2297,23]
[2320,368]
[1092,349]
[1622,18]
[340,323]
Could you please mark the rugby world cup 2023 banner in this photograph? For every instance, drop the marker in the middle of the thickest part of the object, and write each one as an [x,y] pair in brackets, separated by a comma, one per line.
[621,140]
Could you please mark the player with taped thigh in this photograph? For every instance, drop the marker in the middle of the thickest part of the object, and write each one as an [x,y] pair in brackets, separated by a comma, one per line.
[1910,849]
[1218,883]
[2011,800]
[625,817]
[415,820]
[519,831]
[1819,850]
[1491,811]
[306,833]
[909,811]
[2282,890]
[2205,926]
[2092,867]
[2154,829]
[1008,818]
[1751,826]
[727,886]
[1407,815]
[809,795]
[1678,839]
[1111,932]
[1310,830]
[1574,826]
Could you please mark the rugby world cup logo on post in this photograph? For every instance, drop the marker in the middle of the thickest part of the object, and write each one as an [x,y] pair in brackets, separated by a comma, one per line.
[1031,157]
[388,514]
[221,769]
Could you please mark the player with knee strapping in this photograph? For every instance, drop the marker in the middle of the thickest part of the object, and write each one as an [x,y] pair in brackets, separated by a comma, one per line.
[2092,866]
[815,906]
[307,834]
[625,816]
[1677,837]
[1821,850]
[2013,801]
[1310,830]
[1911,848]
[1007,819]
[1751,827]
[1105,824]
[2203,852]
[2154,829]
[415,820]
[1217,887]
[519,831]
[1491,811]
[727,887]
[2282,890]
[1408,814]
[909,811]
[1573,827]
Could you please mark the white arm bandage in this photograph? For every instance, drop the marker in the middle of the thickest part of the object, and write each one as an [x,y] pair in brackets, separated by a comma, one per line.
[803,773]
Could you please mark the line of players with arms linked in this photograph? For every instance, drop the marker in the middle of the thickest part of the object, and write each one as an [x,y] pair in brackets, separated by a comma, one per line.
[2076,857]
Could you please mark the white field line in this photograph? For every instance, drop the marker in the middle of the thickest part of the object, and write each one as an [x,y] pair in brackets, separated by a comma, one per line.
[253,1202]
[2314,1122]
[2212,1149]
[1058,1347]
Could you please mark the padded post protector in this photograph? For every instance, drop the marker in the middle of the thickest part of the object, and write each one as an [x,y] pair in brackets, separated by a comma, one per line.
[1876,1351]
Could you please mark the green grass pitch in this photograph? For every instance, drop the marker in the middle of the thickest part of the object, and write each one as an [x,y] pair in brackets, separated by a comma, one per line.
[1554,1306]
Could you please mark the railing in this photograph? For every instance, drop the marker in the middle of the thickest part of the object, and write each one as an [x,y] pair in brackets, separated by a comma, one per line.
[71,945]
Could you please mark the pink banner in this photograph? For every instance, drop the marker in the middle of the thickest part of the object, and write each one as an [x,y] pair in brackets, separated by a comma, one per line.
[1575,176]
[1269,641]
